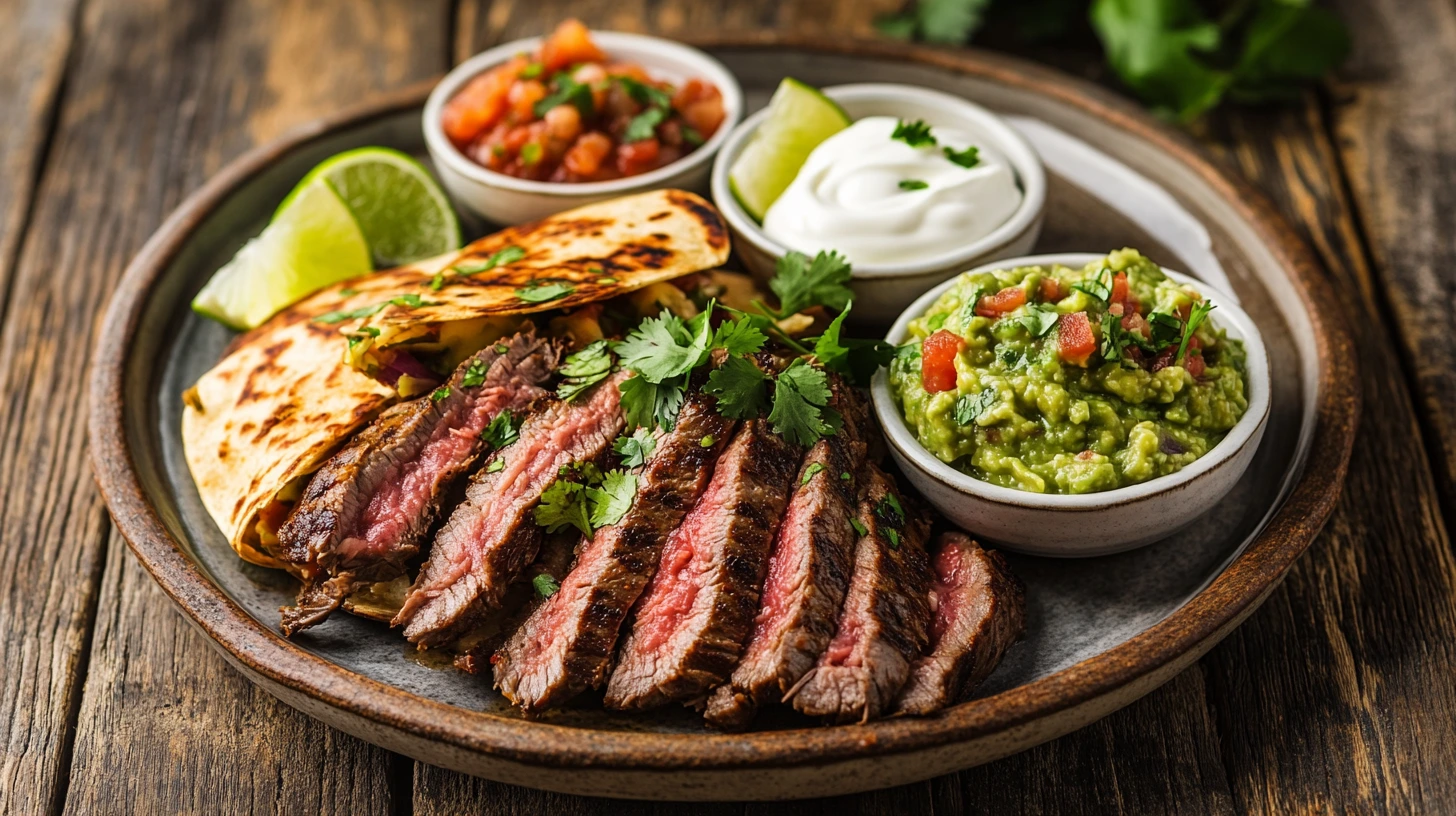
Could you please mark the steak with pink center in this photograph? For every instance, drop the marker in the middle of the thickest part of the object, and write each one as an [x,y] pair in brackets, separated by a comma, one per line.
[491,536]
[363,513]
[885,621]
[565,646]
[698,610]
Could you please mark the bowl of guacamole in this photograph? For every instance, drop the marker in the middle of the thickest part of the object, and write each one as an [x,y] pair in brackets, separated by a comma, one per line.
[1074,383]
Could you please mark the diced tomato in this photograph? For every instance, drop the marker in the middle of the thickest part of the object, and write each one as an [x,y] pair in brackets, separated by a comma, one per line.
[937,361]
[1051,290]
[570,43]
[1075,341]
[523,97]
[1007,300]
[637,157]
[1119,287]
[481,104]
[585,157]
[1194,364]
[701,106]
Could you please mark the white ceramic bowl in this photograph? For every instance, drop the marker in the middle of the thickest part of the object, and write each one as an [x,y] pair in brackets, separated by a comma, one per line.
[883,290]
[1092,523]
[510,200]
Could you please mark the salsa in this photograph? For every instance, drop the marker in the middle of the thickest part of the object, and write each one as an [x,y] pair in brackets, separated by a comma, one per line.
[568,113]
[1061,380]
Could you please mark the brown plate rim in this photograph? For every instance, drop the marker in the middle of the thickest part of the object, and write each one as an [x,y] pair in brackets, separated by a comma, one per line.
[1262,564]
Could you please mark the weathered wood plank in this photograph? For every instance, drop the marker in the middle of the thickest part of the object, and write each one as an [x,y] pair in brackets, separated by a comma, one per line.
[162,93]
[1328,698]
[1394,112]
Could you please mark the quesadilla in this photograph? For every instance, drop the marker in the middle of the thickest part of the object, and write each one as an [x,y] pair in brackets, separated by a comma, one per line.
[289,393]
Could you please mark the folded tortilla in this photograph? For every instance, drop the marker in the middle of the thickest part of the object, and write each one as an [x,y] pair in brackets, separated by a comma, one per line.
[290,392]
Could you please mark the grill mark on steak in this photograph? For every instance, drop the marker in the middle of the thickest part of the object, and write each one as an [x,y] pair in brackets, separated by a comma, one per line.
[565,646]
[698,609]
[364,512]
[979,611]
[492,535]
[808,574]
[886,616]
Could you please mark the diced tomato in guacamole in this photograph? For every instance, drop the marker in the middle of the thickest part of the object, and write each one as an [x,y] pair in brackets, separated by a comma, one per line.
[937,371]
[568,113]
[1075,341]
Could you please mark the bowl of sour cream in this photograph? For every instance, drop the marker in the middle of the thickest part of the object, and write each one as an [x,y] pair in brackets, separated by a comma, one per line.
[908,212]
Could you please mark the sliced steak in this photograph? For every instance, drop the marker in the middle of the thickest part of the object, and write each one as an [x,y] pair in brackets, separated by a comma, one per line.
[808,574]
[884,624]
[565,647]
[979,611]
[696,613]
[363,513]
[492,535]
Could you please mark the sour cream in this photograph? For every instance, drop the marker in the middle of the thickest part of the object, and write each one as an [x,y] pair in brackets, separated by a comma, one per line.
[849,196]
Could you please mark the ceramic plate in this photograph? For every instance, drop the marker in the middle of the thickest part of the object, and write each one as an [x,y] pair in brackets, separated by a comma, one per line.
[1101,632]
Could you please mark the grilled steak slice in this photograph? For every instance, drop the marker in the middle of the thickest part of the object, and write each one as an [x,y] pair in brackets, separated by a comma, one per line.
[979,611]
[697,611]
[491,536]
[524,597]
[808,573]
[566,645]
[363,513]
[886,616]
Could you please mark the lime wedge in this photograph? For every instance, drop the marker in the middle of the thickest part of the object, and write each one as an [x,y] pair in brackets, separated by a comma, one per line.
[405,216]
[799,118]
[313,241]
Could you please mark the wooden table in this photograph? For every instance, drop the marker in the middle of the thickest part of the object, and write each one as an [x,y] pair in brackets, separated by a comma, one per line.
[1337,695]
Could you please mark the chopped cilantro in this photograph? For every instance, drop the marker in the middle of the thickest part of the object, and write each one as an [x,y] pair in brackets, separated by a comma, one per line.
[1014,360]
[741,388]
[1167,329]
[799,413]
[1038,321]
[611,501]
[937,321]
[1195,318]
[412,301]
[440,393]
[496,465]
[635,449]
[364,335]
[563,505]
[544,292]
[474,373]
[568,92]
[352,314]
[845,476]
[545,585]
[437,282]
[893,536]
[505,255]
[968,158]
[501,431]
[607,280]
[531,153]
[859,527]
[800,283]
[350,292]
[1098,286]
[644,93]
[707,441]
[915,134]
[810,472]
[651,405]
[584,369]
[969,407]
[531,71]
[913,184]
[692,137]
[644,125]
[501,348]
[855,358]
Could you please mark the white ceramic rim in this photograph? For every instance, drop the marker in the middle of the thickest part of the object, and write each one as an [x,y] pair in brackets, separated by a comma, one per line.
[1005,139]
[1227,314]
[619,45]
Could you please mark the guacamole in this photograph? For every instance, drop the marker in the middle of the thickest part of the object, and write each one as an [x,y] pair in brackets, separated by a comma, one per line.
[1060,380]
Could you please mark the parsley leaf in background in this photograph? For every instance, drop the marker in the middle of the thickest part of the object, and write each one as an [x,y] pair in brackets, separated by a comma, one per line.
[800,283]
[635,449]
[741,388]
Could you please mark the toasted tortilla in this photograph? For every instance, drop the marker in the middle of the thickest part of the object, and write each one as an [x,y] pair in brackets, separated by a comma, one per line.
[287,394]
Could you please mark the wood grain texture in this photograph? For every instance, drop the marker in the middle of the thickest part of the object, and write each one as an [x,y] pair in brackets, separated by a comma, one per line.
[1326,698]
[161,94]
[1394,112]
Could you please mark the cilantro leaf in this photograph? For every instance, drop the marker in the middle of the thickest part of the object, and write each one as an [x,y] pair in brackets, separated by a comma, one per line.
[644,125]
[739,336]
[568,92]
[1038,321]
[1195,319]
[496,465]
[800,283]
[1099,286]
[663,347]
[810,472]
[1167,329]
[543,292]
[893,536]
[1153,46]
[563,505]
[915,134]
[501,431]
[913,184]
[859,528]
[501,257]
[968,158]
[651,405]
[583,369]
[352,314]
[635,449]
[474,373]
[800,396]
[644,93]
[610,502]
[741,388]
[545,585]
[440,393]
[969,407]
[857,359]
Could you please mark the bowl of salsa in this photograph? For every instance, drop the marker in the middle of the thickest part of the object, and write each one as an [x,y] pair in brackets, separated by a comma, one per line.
[541,125]
[1074,404]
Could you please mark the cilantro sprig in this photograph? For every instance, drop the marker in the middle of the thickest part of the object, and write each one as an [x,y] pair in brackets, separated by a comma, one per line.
[583,369]
[587,499]
[800,282]
[1195,319]
[636,448]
